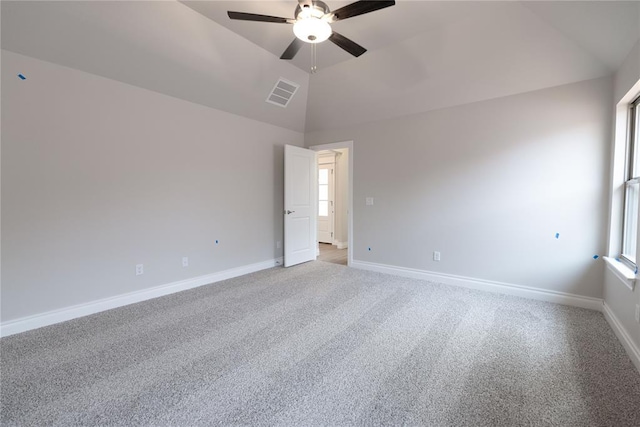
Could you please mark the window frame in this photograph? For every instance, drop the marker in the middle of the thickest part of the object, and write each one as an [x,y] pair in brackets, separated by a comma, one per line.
[632,176]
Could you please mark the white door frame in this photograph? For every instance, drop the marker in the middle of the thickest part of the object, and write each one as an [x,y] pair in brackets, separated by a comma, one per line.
[349,146]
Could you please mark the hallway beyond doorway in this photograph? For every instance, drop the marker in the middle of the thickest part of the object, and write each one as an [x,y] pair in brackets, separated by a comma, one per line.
[330,253]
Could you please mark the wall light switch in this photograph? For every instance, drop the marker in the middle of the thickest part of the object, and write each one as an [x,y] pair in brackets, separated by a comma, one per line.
[369,201]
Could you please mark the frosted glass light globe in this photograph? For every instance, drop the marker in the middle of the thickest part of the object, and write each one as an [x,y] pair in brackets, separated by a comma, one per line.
[312,30]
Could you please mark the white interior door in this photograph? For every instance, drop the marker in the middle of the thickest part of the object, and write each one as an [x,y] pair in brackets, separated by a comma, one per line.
[326,198]
[300,205]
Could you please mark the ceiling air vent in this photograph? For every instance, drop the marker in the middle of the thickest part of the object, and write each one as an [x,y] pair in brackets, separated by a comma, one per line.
[282,92]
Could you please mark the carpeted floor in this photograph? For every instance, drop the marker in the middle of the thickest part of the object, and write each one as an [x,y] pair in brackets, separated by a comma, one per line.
[322,344]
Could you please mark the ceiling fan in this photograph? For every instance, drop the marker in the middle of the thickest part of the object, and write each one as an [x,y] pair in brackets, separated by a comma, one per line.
[312,23]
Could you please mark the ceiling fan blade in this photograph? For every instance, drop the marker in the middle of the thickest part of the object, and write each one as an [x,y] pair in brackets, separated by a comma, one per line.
[258,18]
[359,8]
[349,45]
[293,48]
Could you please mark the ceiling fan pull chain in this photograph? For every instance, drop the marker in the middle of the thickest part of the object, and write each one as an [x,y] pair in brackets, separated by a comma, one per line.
[314,65]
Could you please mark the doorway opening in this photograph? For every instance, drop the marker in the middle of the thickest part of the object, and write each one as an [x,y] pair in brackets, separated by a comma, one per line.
[335,184]
[328,207]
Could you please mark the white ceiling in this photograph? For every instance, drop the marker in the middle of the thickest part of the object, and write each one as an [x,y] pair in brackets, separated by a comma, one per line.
[422,55]
[162,46]
[373,31]
[504,49]
[607,29]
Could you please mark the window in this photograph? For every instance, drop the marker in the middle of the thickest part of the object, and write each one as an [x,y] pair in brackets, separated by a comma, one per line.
[632,187]
[323,192]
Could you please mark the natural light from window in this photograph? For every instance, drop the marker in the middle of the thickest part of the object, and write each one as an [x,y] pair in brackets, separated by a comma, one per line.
[632,187]
[323,192]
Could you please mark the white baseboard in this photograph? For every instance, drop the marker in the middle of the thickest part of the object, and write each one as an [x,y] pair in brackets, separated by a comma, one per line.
[341,245]
[632,349]
[485,285]
[56,316]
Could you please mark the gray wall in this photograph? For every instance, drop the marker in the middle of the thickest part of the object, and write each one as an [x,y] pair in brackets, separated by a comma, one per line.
[489,184]
[98,176]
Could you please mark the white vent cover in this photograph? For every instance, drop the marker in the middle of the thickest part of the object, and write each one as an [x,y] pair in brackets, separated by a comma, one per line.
[282,92]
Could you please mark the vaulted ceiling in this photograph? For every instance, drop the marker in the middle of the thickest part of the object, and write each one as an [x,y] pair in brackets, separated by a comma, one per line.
[605,29]
[422,55]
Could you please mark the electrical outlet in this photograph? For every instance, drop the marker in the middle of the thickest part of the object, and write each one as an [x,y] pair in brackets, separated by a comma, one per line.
[278,244]
[638,313]
[139,269]
[369,201]
[185,261]
[436,256]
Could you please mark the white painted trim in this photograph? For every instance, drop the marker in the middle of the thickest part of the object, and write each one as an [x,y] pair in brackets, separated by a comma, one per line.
[61,315]
[335,146]
[341,245]
[622,272]
[632,349]
[485,285]
[327,158]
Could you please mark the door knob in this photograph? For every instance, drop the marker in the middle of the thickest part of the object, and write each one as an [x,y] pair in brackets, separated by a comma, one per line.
[288,212]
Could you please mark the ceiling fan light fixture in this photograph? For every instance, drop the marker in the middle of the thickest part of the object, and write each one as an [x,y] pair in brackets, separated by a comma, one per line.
[312,24]
[312,30]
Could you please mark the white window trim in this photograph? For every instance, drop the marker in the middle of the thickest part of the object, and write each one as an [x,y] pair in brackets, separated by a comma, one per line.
[616,204]
[622,272]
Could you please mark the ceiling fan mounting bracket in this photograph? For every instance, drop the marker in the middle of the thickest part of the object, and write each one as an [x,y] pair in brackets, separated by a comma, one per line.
[319,9]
